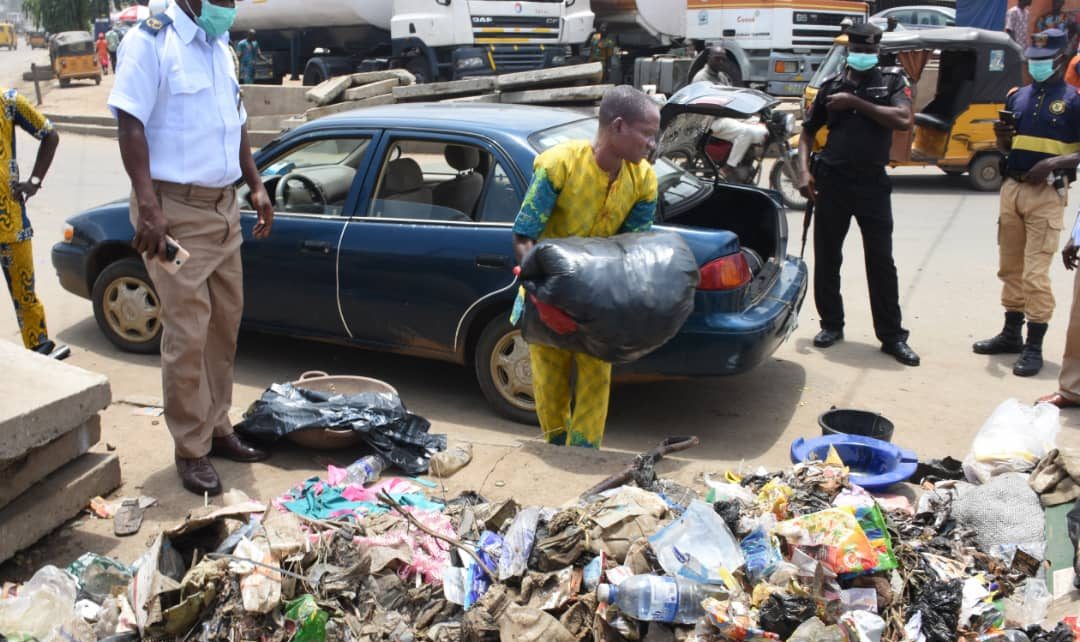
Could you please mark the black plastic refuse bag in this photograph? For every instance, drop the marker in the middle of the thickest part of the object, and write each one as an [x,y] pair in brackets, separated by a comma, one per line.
[626,295]
[939,603]
[380,418]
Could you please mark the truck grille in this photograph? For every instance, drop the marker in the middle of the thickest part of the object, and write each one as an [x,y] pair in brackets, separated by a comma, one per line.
[490,30]
[509,58]
[817,29]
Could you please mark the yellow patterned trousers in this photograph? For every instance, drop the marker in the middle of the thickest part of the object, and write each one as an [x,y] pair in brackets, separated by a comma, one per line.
[17,261]
[551,372]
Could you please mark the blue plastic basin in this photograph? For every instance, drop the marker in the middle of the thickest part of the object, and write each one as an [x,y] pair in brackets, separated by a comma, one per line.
[875,464]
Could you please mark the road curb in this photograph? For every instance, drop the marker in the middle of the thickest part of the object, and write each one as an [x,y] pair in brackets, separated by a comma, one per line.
[87,129]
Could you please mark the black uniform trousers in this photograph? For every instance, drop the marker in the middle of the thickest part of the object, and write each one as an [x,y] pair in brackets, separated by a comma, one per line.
[865,193]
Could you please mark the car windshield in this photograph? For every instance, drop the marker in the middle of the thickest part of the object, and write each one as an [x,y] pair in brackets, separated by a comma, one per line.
[674,184]
[833,64]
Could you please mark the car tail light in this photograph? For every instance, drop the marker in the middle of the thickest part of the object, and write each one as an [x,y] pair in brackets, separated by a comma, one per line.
[725,273]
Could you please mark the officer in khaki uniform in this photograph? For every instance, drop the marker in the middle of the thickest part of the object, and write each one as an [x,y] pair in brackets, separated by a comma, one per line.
[184,143]
[1042,144]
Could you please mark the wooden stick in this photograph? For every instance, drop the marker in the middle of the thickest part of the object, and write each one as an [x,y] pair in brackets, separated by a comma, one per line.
[385,497]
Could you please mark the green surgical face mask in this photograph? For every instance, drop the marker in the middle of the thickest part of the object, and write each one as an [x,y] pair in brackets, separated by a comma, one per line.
[862,61]
[1040,70]
[216,20]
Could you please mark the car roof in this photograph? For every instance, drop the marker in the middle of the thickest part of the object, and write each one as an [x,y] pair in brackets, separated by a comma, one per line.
[478,118]
[916,7]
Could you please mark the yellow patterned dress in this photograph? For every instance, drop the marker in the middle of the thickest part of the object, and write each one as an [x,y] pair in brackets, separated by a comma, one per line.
[16,253]
[571,195]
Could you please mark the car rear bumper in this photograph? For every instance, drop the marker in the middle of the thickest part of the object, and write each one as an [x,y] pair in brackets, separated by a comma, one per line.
[70,263]
[726,344]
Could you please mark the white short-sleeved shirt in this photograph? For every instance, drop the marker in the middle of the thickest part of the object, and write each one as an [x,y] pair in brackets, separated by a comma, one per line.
[184,91]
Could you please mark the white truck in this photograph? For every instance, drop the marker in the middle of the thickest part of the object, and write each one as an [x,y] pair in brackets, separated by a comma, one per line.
[775,45]
[434,39]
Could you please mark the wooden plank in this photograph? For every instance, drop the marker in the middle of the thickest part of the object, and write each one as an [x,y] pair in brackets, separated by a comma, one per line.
[439,90]
[403,77]
[328,91]
[482,98]
[377,88]
[321,112]
[592,72]
[556,95]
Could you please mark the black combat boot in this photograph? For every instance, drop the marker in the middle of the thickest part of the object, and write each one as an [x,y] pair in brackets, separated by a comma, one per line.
[1031,362]
[1009,341]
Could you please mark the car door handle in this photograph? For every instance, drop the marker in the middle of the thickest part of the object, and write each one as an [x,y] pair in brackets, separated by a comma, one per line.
[493,261]
[315,247]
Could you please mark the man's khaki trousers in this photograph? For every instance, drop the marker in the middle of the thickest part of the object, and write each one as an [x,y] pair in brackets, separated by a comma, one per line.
[1029,233]
[1069,379]
[201,308]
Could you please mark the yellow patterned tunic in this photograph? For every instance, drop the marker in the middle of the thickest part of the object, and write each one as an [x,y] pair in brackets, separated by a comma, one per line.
[15,110]
[570,195]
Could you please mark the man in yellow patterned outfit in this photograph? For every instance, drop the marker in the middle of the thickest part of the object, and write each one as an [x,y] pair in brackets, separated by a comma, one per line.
[588,188]
[16,254]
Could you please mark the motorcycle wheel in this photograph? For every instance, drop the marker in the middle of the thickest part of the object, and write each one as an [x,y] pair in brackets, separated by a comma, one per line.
[784,179]
[688,159]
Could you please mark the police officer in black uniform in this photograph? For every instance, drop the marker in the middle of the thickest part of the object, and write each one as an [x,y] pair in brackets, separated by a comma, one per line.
[862,106]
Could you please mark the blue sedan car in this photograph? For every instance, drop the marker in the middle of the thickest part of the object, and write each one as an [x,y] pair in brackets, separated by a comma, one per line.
[393,232]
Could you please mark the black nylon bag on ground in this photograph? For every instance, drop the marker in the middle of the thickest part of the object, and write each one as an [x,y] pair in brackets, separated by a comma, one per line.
[628,294]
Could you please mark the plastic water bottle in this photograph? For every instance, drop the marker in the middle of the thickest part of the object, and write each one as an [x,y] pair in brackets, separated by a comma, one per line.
[655,598]
[365,470]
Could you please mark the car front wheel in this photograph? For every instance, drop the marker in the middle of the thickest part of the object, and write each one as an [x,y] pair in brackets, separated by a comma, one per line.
[127,308]
[504,371]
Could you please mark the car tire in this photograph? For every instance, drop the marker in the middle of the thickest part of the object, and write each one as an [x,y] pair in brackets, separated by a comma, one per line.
[504,372]
[985,172]
[127,307]
[65,82]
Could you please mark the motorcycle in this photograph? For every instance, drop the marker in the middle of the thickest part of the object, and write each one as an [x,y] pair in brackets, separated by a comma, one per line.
[687,140]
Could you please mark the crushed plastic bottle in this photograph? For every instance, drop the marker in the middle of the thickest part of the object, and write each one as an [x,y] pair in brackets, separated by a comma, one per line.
[446,463]
[656,598]
[365,470]
[44,602]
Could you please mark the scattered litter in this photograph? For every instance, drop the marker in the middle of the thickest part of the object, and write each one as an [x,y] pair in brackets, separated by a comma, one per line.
[148,411]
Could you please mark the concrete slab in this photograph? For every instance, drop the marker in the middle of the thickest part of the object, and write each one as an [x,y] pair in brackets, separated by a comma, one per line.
[556,95]
[437,90]
[328,91]
[371,89]
[61,496]
[482,98]
[43,399]
[589,72]
[402,76]
[268,100]
[22,473]
[321,112]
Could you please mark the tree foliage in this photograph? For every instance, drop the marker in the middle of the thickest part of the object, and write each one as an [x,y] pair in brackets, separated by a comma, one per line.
[55,16]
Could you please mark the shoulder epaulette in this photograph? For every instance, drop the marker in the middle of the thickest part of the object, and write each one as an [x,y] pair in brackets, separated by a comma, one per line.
[154,24]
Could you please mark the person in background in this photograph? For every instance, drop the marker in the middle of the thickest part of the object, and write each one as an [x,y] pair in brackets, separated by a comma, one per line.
[247,50]
[102,48]
[602,48]
[185,153]
[741,133]
[113,38]
[1017,20]
[891,23]
[845,25]
[587,188]
[714,70]
[1068,393]
[16,251]
[1041,145]
[1056,18]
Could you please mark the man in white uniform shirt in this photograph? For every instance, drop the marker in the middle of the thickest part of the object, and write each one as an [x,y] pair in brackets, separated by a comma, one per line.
[184,143]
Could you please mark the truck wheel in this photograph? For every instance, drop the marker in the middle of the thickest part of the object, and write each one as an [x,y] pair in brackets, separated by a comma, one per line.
[127,308]
[315,72]
[504,371]
[985,172]
[418,67]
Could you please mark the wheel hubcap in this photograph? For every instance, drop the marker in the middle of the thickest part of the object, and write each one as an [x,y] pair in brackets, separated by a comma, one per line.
[511,370]
[132,309]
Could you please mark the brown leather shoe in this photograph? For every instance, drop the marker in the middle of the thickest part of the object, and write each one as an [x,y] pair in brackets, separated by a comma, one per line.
[1057,400]
[234,448]
[198,475]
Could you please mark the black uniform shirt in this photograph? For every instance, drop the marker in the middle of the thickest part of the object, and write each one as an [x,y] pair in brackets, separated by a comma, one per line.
[854,139]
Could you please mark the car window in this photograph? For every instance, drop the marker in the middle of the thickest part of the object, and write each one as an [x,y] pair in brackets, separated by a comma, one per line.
[933,18]
[502,202]
[904,17]
[314,177]
[430,180]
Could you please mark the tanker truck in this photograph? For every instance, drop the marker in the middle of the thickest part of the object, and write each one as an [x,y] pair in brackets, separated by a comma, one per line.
[774,45]
[433,39]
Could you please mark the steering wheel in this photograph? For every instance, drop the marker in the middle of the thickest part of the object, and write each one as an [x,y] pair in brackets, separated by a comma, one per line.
[281,193]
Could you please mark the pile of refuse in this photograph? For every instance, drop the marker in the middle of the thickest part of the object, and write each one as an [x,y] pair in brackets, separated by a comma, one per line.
[800,554]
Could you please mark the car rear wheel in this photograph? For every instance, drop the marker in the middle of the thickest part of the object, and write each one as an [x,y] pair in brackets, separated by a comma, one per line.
[504,371]
[127,308]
